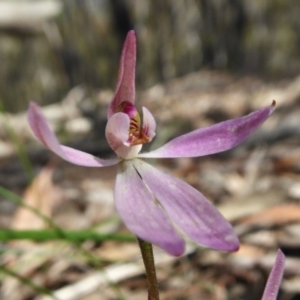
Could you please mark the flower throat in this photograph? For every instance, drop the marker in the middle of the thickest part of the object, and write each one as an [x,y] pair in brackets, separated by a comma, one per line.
[137,133]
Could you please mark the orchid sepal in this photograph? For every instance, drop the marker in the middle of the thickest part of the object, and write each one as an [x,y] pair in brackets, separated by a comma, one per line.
[125,90]
[45,135]
[141,212]
[275,278]
[192,213]
[212,139]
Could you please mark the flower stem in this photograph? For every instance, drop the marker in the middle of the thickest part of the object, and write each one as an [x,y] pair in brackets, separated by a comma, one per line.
[148,258]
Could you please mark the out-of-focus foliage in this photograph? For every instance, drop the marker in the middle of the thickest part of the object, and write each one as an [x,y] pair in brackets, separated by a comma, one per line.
[82,43]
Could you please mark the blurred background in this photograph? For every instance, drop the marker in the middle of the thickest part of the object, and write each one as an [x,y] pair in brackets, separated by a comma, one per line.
[199,62]
[48,47]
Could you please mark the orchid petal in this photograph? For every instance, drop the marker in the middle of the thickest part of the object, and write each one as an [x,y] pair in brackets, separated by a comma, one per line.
[275,278]
[141,212]
[149,124]
[213,139]
[117,134]
[117,130]
[189,209]
[125,90]
[44,134]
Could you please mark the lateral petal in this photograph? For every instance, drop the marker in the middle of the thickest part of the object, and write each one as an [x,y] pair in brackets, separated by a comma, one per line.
[141,212]
[125,90]
[44,134]
[275,278]
[149,124]
[117,134]
[189,209]
[213,139]
[117,130]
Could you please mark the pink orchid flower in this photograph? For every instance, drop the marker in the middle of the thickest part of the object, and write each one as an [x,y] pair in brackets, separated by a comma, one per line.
[275,278]
[149,201]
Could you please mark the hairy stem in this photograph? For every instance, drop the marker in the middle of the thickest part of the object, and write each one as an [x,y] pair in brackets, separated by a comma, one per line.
[148,258]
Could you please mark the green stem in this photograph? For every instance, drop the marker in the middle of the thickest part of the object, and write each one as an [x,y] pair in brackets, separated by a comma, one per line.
[69,235]
[148,258]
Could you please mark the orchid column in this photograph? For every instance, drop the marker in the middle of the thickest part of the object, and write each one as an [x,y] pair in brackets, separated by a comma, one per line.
[149,201]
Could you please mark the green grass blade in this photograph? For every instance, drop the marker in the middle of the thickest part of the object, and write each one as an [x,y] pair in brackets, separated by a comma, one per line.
[37,288]
[19,201]
[72,236]
[20,149]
